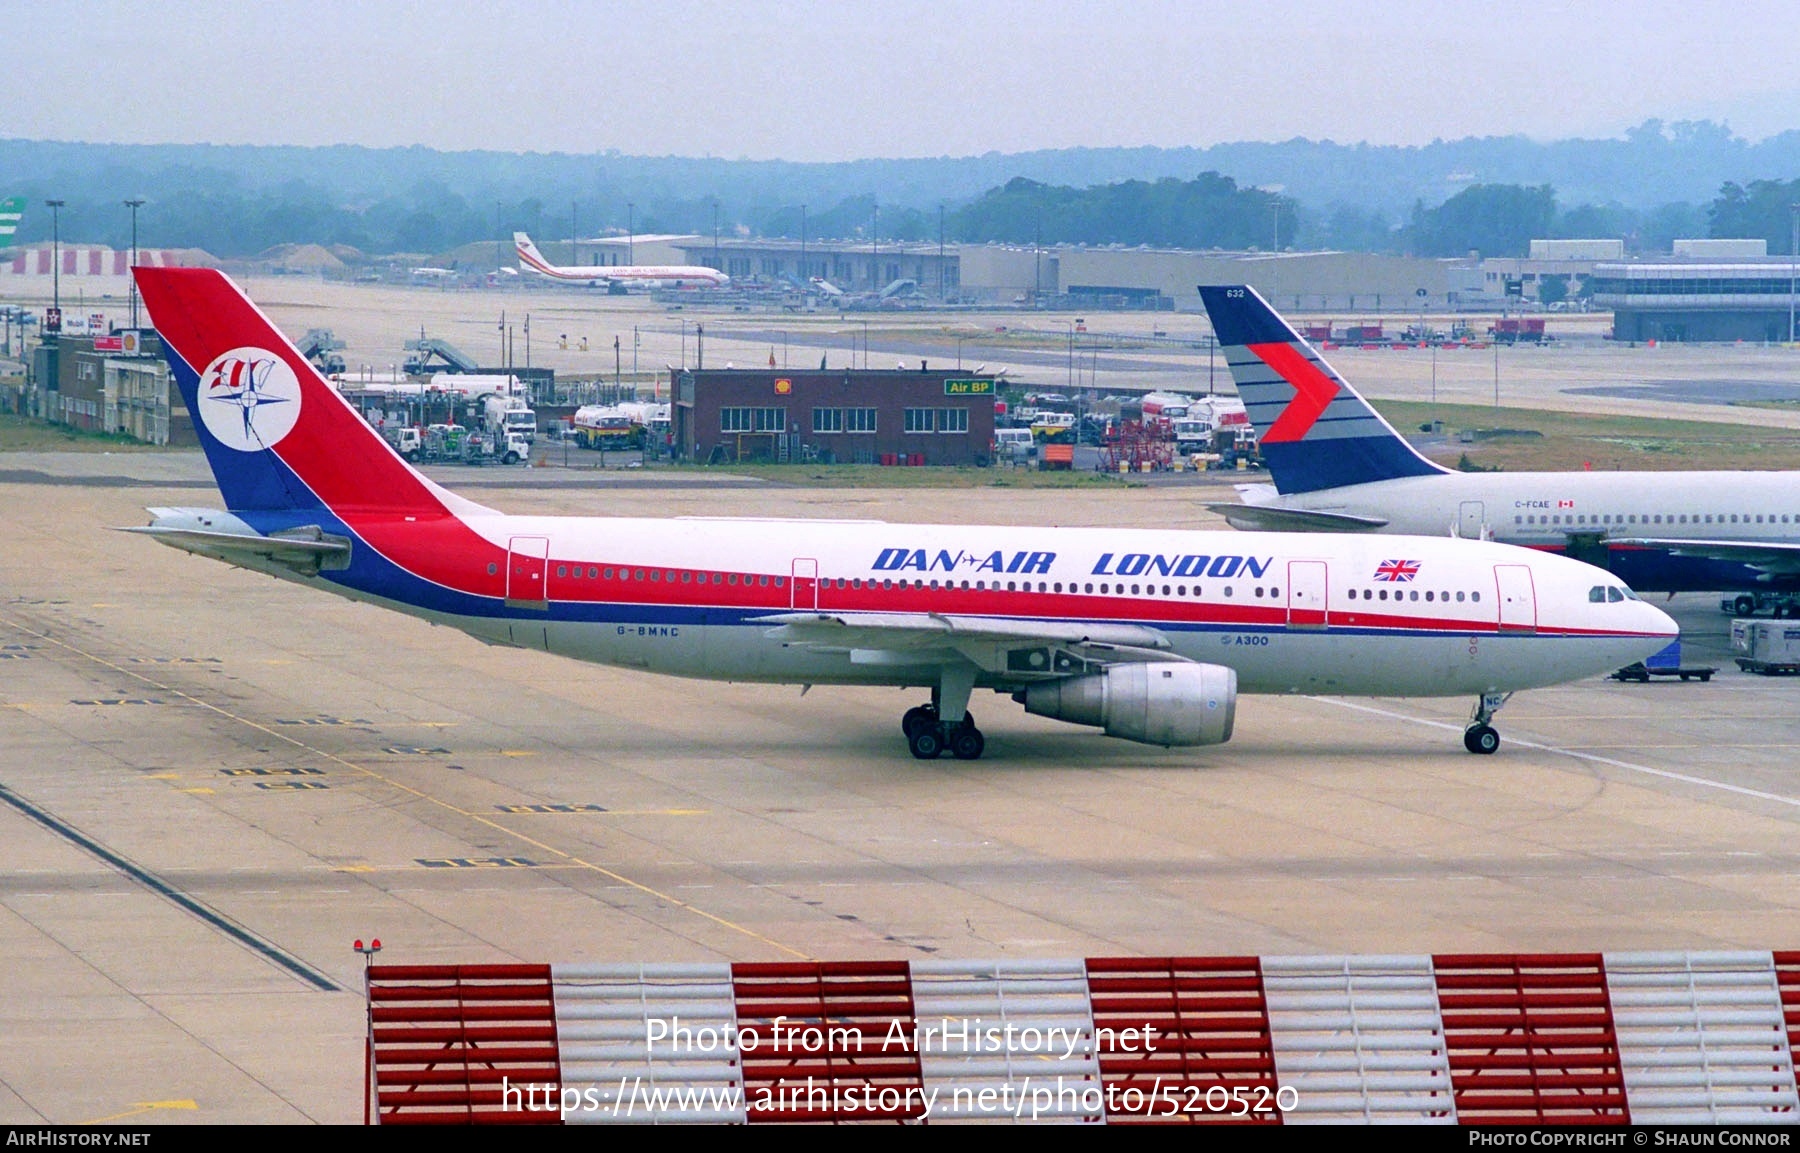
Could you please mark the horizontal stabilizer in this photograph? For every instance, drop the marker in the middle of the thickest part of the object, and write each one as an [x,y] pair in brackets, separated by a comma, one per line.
[1272,518]
[308,549]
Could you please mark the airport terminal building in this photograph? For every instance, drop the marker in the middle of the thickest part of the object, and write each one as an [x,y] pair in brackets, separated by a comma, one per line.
[1093,277]
[892,416]
[1698,301]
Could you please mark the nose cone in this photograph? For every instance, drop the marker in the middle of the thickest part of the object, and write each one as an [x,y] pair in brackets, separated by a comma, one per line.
[1659,623]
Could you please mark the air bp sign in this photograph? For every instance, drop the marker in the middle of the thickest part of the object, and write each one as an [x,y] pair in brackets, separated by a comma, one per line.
[969,387]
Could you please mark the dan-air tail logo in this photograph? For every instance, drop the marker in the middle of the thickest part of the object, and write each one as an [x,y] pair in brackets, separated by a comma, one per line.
[249,399]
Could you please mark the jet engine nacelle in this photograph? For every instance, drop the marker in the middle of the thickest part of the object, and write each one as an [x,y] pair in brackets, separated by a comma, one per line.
[1156,704]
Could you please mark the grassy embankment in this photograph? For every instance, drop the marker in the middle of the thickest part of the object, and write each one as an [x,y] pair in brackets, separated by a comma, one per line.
[1573,441]
[25,434]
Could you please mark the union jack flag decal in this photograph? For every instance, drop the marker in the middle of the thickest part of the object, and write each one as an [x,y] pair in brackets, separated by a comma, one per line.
[1396,570]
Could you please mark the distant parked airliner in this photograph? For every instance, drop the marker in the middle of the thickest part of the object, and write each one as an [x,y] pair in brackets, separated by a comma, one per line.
[606,275]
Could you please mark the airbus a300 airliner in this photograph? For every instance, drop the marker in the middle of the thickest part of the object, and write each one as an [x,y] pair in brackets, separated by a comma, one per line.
[1149,635]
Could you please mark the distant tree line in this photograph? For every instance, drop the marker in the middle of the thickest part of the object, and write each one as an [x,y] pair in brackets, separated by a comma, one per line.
[238,202]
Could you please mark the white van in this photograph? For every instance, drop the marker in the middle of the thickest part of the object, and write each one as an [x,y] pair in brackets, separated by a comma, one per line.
[1014,444]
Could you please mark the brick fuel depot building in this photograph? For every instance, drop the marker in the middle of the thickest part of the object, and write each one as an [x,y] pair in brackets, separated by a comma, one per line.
[891,416]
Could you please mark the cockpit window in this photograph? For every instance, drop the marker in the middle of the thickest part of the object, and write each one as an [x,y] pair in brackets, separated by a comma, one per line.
[1597,595]
[1615,594]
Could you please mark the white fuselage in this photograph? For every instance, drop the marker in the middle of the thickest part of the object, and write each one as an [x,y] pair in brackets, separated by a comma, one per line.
[637,274]
[1289,612]
[1546,508]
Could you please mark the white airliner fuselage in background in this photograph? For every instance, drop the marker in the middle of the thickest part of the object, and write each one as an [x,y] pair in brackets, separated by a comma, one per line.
[1339,467]
[1149,635]
[604,275]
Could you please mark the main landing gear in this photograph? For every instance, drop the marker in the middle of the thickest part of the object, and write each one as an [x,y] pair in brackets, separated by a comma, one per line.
[1480,737]
[928,737]
[946,722]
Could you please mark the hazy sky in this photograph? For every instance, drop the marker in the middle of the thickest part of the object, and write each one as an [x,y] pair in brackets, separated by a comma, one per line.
[811,81]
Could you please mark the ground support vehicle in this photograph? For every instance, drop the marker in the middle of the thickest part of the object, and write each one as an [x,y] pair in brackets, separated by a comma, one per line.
[1769,648]
[1666,663]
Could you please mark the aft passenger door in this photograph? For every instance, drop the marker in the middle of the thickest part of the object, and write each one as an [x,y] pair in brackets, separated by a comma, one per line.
[527,570]
[805,583]
[1307,588]
[1517,597]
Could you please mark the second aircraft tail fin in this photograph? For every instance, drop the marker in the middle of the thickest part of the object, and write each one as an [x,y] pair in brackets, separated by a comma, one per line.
[1316,431]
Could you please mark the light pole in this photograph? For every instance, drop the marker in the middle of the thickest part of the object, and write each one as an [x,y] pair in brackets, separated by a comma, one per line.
[1434,386]
[1496,374]
[630,234]
[1793,257]
[1037,260]
[134,204]
[940,254]
[1071,325]
[1275,268]
[55,207]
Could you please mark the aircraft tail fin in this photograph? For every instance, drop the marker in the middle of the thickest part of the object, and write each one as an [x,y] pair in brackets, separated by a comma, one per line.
[278,437]
[1316,431]
[12,210]
[529,256]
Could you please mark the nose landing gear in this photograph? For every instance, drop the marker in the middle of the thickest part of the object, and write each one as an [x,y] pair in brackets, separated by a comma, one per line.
[1480,737]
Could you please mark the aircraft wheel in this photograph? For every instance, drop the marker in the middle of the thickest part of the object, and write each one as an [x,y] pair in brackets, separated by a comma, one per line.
[916,717]
[926,742]
[967,743]
[1481,739]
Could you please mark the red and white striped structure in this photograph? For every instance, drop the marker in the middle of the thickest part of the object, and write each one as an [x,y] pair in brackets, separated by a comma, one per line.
[1469,1039]
[86,260]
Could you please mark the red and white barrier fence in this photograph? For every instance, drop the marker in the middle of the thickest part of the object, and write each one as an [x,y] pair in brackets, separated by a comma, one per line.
[1489,1039]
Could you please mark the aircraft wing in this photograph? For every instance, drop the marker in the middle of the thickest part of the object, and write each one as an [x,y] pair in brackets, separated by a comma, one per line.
[1025,649]
[308,549]
[1769,556]
[1273,518]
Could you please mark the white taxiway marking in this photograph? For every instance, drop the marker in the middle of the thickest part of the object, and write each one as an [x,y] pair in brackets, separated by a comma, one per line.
[1793,802]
